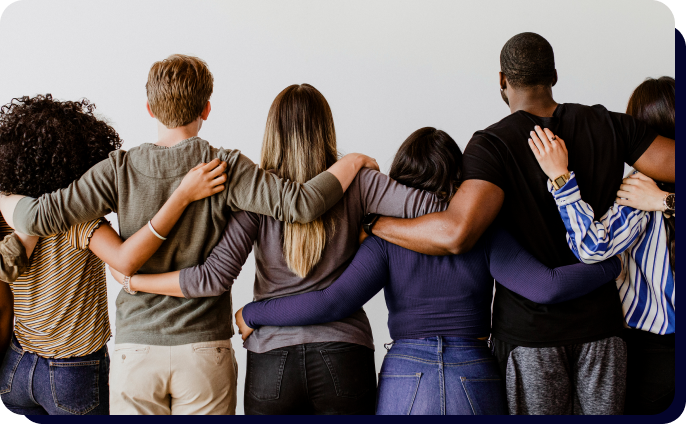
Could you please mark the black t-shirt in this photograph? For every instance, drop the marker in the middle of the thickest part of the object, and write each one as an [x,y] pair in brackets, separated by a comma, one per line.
[599,142]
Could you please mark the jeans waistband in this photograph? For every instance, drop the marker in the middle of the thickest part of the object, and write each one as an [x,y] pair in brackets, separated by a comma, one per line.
[444,341]
[91,356]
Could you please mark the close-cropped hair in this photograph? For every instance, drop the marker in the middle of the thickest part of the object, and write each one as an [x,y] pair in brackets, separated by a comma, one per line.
[178,89]
[527,60]
[430,160]
[300,143]
[46,144]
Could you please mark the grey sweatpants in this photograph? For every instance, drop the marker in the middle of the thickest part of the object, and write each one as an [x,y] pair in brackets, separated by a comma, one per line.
[580,379]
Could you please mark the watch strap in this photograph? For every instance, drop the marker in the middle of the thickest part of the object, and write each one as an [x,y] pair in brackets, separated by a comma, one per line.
[368,222]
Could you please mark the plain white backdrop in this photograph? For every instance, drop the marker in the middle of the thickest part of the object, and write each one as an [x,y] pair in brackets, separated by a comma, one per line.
[386,67]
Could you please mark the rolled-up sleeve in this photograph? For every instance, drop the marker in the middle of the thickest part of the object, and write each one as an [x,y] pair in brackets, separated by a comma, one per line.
[14,259]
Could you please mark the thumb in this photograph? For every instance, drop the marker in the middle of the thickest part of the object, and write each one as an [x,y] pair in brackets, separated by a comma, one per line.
[640,176]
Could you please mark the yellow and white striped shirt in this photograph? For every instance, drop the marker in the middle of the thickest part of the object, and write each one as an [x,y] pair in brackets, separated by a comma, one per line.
[60,302]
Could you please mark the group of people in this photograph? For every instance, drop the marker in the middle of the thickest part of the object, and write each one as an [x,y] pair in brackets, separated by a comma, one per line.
[581,322]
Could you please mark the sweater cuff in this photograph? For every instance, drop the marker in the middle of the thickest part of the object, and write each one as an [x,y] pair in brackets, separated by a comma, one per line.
[183,284]
[330,188]
[14,260]
[247,315]
[568,193]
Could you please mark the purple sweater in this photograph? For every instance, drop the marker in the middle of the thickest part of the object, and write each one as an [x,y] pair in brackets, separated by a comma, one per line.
[434,295]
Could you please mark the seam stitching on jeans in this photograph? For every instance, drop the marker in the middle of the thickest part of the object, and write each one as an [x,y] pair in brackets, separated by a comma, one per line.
[471,405]
[14,370]
[65,407]
[418,376]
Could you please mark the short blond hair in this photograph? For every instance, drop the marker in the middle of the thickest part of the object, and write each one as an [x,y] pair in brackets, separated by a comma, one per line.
[178,89]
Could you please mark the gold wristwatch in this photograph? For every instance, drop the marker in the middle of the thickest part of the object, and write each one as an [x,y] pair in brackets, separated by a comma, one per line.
[560,181]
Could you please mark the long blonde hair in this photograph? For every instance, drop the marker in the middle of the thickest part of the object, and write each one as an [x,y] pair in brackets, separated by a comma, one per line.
[300,143]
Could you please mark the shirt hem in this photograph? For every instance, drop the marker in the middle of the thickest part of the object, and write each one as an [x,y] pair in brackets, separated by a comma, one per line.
[557,343]
[155,339]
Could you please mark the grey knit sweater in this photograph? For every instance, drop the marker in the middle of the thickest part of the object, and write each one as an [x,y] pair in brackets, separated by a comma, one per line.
[135,185]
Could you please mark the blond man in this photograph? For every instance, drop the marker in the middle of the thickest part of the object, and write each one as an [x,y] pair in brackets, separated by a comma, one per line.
[174,355]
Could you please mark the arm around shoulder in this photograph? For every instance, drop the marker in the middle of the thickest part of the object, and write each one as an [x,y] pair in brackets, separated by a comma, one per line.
[452,232]
[90,197]
[253,189]
[658,161]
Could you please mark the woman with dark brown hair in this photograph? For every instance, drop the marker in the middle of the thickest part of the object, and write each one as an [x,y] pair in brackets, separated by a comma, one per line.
[439,306]
[640,227]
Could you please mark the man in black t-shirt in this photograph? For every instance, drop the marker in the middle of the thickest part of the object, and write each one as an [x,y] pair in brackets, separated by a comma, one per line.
[563,358]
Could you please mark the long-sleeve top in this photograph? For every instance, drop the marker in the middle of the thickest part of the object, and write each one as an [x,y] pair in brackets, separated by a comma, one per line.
[647,288]
[135,184]
[370,192]
[434,295]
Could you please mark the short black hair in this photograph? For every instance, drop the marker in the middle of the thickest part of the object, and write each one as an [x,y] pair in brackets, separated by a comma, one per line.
[46,144]
[429,160]
[527,60]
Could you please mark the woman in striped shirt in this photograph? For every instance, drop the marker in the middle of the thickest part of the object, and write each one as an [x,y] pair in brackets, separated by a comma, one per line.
[640,227]
[57,361]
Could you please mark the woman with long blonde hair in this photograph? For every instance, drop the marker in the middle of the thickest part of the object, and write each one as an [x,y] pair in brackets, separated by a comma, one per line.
[316,369]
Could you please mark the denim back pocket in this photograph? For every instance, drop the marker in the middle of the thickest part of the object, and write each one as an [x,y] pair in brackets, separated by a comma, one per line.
[352,370]
[397,393]
[486,395]
[265,371]
[75,385]
[9,367]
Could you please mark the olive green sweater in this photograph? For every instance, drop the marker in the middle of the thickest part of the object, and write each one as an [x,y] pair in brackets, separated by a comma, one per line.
[135,185]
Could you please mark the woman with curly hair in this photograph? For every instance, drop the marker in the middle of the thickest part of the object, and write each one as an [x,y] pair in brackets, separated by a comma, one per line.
[57,361]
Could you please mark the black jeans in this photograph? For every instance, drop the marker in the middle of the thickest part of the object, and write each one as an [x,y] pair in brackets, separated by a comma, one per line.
[312,378]
[650,372]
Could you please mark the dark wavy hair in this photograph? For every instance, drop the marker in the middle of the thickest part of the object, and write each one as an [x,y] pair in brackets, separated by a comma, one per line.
[653,103]
[429,160]
[46,144]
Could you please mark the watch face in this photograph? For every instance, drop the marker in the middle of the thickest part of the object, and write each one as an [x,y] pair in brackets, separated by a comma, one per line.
[670,201]
[560,181]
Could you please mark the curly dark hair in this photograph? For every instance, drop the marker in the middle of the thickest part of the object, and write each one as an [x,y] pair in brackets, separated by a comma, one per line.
[46,144]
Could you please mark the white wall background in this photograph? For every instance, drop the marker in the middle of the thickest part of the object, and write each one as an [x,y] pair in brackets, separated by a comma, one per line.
[386,67]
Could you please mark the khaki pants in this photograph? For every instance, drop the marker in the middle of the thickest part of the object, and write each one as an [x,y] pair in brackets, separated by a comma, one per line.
[197,378]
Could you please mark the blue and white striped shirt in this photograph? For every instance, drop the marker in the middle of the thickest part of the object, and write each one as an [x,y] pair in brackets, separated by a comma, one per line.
[646,286]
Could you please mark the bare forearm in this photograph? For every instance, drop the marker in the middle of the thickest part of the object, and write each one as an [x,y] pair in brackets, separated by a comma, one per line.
[6,317]
[658,162]
[138,248]
[454,231]
[430,234]
[6,328]
[29,242]
[127,257]
[165,284]
[346,169]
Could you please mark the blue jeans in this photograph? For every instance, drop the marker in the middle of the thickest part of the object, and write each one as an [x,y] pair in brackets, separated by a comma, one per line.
[33,385]
[440,376]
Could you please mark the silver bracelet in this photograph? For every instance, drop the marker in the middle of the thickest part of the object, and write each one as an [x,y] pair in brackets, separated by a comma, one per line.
[155,232]
[127,285]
